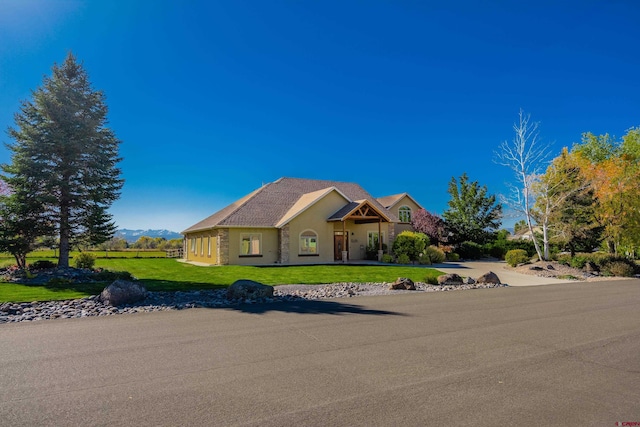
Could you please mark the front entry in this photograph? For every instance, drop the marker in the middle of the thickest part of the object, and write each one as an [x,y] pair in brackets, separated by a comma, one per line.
[339,246]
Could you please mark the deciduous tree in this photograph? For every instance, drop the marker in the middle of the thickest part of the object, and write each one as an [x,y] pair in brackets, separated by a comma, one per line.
[431,225]
[525,156]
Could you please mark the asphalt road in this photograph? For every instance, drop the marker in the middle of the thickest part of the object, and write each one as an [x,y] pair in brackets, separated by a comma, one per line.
[565,355]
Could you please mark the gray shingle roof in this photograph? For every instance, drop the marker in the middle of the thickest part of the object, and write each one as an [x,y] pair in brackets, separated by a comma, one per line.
[266,206]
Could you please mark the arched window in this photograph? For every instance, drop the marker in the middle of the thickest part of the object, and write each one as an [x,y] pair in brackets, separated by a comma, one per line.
[404,214]
[308,243]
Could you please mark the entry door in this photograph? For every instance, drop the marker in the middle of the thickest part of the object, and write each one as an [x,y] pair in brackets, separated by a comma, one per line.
[339,246]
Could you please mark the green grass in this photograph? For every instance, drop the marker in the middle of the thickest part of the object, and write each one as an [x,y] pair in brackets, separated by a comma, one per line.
[171,275]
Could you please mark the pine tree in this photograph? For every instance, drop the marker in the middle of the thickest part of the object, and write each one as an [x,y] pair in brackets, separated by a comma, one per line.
[64,158]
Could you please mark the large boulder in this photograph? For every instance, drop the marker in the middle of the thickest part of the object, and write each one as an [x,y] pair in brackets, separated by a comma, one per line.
[450,280]
[403,283]
[490,278]
[123,292]
[248,289]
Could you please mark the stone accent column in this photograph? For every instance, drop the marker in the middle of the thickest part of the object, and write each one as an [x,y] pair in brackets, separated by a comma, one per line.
[223,246]
[283,248]
[391,228]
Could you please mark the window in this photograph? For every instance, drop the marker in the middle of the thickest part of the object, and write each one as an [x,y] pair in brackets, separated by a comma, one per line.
[202,246]
[209,246]
[404,213]
[372,239]
[308,243]
[193,245]
[250,245]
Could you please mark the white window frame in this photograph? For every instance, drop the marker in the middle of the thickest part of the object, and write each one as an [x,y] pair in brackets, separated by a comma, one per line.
[404,210]
[202,246]
[252,238]
[209,246]
[300,244]
[193,245]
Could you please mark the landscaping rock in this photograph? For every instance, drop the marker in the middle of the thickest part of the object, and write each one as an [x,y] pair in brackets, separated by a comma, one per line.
[535,268]
[550,267]
[469,281]
[450,280]
[249,290]
[489,277]
[403,283]
[122,292]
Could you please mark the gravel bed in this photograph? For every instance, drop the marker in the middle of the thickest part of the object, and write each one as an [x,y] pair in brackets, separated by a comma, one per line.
[161,301]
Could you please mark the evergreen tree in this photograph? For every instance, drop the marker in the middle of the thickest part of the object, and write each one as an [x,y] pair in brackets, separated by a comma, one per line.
[472,215]
[64,159]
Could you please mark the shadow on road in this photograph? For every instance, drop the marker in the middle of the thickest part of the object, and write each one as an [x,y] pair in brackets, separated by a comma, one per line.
[310,307]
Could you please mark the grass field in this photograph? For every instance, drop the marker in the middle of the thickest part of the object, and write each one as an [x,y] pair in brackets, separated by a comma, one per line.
[170,275]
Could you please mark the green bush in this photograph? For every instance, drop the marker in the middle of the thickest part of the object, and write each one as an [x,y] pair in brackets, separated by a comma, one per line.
[386,258]
[372,251]
[516,256]
[84,260]
[43,264]
[578,261]
[411,244]
[424,259]
[470,250]
[403,259]
[435,254]
[452,256]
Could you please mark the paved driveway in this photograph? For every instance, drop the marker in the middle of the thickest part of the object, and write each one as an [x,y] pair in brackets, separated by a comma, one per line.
[560,355]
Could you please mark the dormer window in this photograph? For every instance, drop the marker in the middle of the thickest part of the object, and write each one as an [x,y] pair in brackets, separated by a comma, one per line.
[404,214]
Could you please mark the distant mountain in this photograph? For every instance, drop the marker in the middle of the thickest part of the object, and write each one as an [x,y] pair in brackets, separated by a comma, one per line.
[133,235]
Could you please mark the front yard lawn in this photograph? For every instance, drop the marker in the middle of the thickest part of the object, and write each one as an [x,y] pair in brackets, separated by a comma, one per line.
[170,275]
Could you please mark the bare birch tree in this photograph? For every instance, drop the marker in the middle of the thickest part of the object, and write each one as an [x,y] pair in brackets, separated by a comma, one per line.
[525,155]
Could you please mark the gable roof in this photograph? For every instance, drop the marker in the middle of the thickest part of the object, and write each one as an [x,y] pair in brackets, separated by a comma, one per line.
[390,201]
[270,204]
[352,208]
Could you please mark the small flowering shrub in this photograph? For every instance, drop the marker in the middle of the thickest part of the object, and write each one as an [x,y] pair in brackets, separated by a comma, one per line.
[435,254]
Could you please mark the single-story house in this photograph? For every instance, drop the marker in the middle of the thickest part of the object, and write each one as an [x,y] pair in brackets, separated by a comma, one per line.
[299,221]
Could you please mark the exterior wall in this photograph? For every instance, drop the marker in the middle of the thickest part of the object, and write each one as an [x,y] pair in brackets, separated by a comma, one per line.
[403,226]
[269,245]
[315,219]
[204,249]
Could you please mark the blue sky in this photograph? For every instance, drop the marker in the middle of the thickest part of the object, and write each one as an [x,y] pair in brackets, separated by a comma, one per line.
[213,98]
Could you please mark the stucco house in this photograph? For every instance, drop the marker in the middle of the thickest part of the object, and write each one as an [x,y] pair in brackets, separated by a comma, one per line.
[299,221]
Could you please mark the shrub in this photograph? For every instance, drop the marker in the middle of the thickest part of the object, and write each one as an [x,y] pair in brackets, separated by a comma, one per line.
[452,256]
[578,261]
[435,254]
[386,258]
[411,244]
[372,251]
[516,256]
[403,259]
[620,268]
[43,264]
[431,280]
[470,250]
[495,250]
[85,260]
[424,259]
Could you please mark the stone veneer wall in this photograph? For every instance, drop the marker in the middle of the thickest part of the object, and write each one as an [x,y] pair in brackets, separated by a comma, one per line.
[392,236]
[283,248]
[222,246]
